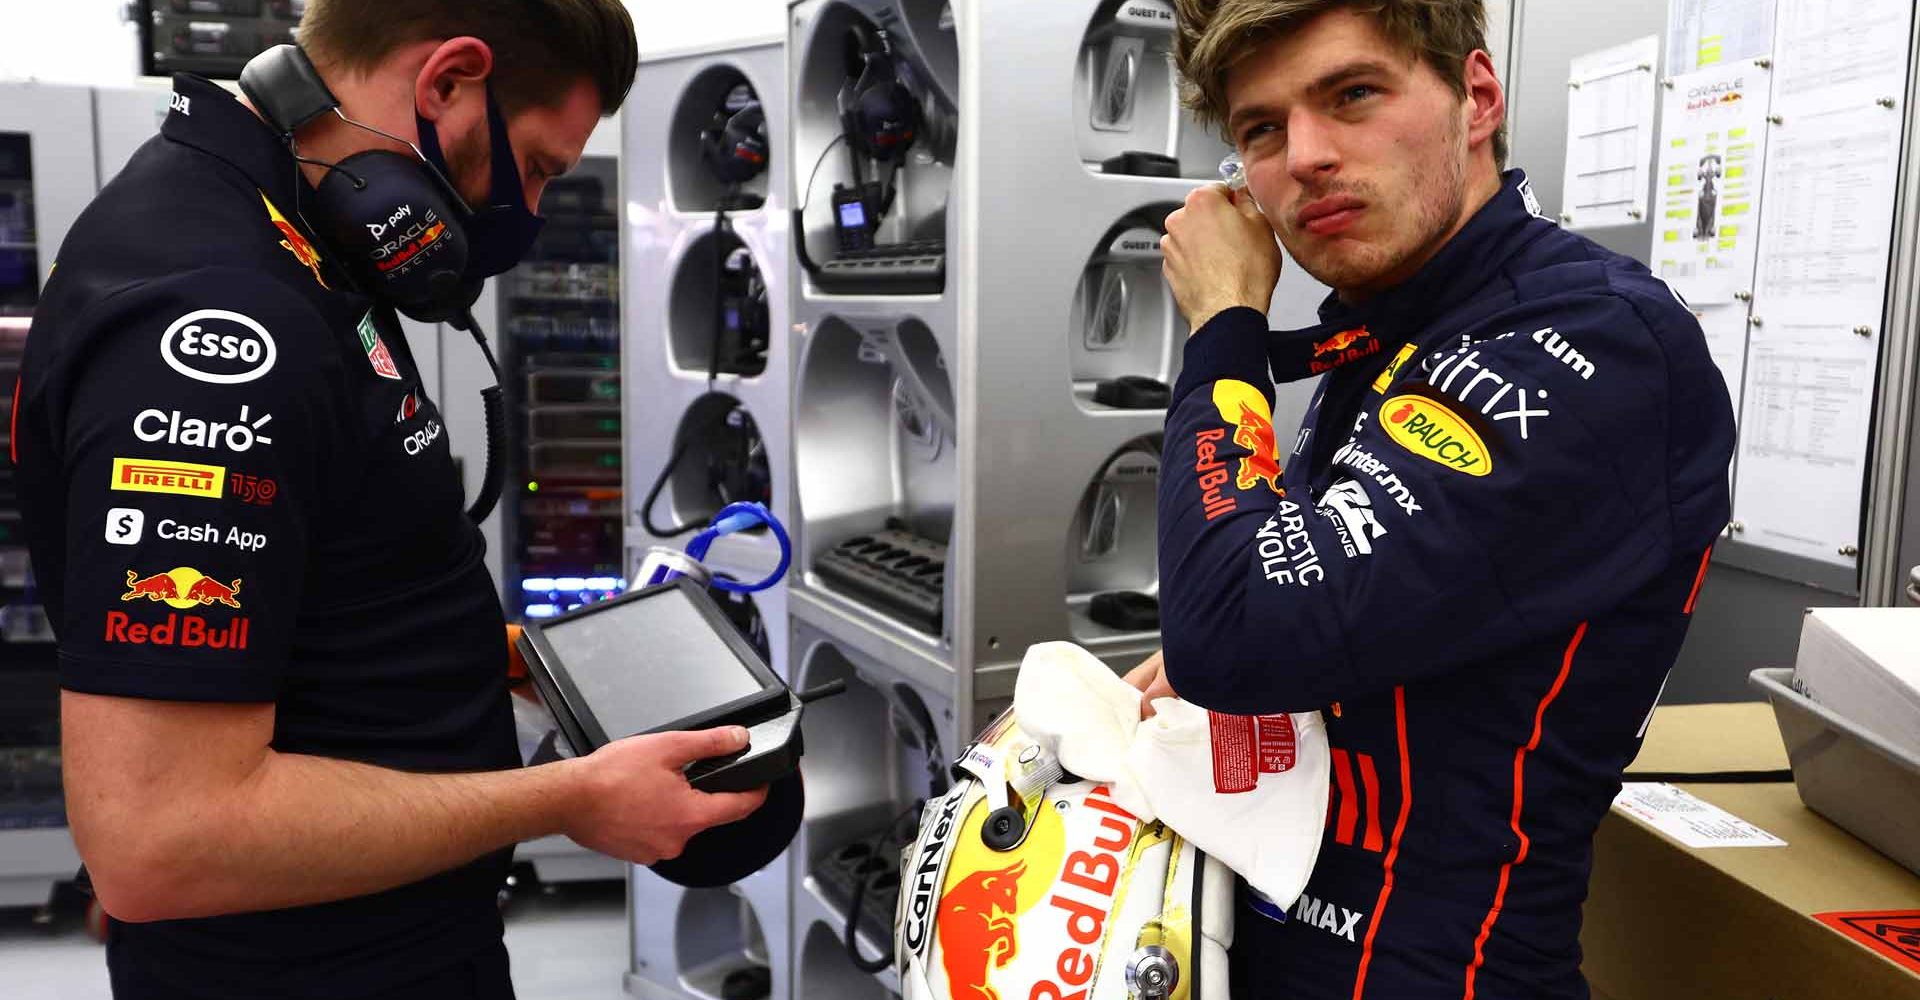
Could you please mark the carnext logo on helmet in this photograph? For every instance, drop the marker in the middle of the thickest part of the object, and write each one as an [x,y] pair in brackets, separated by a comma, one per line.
[926,872]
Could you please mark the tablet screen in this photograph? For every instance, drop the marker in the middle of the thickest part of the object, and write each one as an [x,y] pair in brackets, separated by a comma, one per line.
[646,663]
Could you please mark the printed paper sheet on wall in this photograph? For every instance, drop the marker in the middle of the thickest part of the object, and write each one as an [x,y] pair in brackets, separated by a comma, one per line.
[1826,224]
[1610,110]
[1706,233]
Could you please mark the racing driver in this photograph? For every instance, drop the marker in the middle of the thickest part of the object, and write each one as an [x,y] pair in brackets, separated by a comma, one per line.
[1481,555]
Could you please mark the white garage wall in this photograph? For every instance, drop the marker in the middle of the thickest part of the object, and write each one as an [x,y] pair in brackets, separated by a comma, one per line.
[86,42]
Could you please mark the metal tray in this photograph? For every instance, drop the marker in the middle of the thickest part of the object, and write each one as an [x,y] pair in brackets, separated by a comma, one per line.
[1861,782]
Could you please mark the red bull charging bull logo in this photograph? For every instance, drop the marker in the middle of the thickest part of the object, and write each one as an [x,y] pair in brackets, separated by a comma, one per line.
[977,929]
[984,896]
[1346,346]
[1247,411]
[182,587]
[293,242]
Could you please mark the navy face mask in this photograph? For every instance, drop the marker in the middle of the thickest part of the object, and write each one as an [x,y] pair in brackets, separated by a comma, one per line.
[499,233]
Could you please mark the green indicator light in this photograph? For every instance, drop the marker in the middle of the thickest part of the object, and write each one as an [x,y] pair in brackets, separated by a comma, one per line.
[533,487]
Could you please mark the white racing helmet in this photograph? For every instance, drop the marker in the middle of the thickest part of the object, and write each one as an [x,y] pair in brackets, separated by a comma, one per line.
[1028,882]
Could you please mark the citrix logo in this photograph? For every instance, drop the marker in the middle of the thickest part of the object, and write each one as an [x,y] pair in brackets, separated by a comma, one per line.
[379,229]
[423,438]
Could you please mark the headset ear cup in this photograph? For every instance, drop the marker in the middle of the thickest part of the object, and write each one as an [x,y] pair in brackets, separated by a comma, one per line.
[390,225]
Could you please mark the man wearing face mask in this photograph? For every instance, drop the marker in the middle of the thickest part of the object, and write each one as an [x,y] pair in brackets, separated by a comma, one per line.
[290,762]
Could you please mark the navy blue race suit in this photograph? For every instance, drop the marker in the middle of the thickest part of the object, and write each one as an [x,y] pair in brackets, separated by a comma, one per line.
[1479,563]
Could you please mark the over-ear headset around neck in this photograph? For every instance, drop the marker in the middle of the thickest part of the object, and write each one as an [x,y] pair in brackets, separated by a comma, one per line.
[394,222]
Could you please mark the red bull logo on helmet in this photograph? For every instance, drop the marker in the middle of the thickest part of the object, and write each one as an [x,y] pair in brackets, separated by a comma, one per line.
[1246,410]
[182,587]
[978,931]
[984,896]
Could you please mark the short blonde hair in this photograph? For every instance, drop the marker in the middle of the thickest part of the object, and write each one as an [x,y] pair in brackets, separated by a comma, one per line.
[1214,35]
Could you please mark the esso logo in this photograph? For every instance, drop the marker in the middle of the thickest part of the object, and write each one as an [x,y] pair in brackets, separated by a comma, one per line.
[218,346]
[421,439]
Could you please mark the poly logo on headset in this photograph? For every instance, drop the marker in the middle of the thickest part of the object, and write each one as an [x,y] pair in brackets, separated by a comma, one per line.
[379,229]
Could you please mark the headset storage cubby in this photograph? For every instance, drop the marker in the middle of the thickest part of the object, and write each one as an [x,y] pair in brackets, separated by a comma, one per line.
[718,458]
[872,758]
[874,110]
[827,970]
[875,456]
[720,946]
[712,98]
[1125,332]
[1126,98]
[717,311]
[1113,580]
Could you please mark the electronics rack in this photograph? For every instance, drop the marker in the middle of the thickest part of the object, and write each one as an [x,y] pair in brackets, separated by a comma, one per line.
[560,321]
[213,38]
[37,128]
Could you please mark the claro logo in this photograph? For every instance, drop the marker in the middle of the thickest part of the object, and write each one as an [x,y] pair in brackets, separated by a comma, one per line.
[218,346]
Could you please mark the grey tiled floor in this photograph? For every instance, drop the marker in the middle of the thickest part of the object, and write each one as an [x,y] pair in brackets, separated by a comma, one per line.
[570,944]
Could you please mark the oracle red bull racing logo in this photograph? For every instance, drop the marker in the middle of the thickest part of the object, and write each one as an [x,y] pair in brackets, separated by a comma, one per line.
[182,587]
[1249,419]
[978,929]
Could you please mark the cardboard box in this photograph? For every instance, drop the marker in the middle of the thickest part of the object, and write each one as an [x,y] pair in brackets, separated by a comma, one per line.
[1739,923]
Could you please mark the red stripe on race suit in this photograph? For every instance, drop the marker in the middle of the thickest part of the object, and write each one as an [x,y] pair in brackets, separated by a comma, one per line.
[1698,580]
[1343,781]
[1370,780]
[1393,849]
[1519,794]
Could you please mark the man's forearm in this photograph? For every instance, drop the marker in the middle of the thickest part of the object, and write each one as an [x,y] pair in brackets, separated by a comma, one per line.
[303,829]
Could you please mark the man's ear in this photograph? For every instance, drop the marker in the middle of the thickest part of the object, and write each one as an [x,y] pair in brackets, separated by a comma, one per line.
[1487,99]
[458,67]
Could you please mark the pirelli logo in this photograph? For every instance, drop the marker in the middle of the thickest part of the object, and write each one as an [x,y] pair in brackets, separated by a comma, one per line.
[147,475]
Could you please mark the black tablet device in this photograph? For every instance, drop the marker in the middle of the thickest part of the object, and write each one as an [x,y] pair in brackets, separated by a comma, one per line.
[661,659]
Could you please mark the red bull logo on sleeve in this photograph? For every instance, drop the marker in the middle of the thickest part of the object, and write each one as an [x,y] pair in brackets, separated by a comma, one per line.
[293,242]
[182,587]
[1246,410]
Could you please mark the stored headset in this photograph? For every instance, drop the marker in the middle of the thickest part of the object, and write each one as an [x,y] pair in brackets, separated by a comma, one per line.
[878,111]
[736,467]
[744,316]
[734,143]
[396,223]
[734,147]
